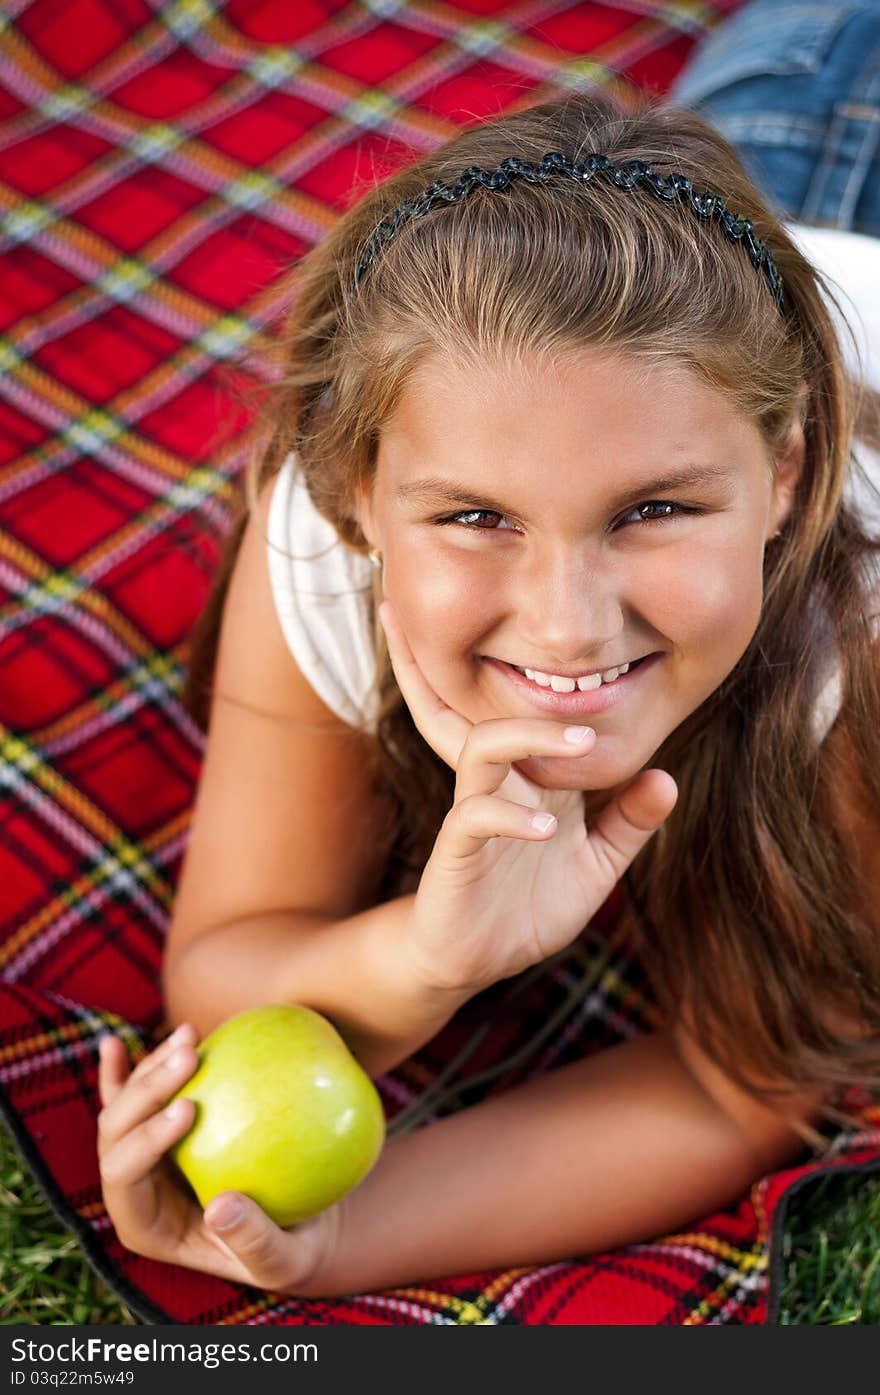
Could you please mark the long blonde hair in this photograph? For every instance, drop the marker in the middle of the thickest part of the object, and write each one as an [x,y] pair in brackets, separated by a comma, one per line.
[744,901]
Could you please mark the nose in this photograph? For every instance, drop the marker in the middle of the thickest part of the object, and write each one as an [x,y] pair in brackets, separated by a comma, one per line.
[568,608]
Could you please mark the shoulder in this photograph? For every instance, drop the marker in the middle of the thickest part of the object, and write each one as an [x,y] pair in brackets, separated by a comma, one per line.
[288,805]
[322,594]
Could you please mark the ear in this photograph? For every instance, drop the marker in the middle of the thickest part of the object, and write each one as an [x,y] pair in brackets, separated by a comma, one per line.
[788,467]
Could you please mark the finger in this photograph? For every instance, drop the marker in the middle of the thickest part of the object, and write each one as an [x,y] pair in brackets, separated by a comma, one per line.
[112,1067]
[471,823]
[136,1191]
[115,1070]
[275,1258]
[131,1159]
[444,729]
[113,1062]
[626,823]
[144,1094]
[493,746]
[184,1035]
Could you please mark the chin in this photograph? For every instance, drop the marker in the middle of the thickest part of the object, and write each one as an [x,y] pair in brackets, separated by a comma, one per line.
[570,773]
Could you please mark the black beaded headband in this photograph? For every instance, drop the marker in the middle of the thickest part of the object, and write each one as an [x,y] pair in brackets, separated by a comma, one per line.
[626,176]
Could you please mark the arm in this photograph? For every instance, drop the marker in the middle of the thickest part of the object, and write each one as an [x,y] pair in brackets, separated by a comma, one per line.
[276,900]
[354,971]
[619,1148]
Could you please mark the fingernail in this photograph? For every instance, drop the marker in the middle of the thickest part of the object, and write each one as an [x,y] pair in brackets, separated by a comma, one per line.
[176,1059]
[175,1110]
[577,734]
[224,1213]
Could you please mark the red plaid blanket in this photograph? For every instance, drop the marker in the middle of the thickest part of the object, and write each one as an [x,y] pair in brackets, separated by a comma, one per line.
[159,165]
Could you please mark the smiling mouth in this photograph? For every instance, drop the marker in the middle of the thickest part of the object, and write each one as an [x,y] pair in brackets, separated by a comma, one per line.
[576,701]
[585,684]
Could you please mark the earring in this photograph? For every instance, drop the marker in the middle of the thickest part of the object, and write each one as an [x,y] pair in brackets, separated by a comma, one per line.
[375,557]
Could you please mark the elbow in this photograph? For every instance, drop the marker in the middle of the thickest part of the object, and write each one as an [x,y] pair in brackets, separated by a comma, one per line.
[173,1005]
[181,999]
[774,1138]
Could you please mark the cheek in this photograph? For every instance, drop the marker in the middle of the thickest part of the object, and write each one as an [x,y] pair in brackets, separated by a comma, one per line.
[436,604]
[711,599]
[733,592]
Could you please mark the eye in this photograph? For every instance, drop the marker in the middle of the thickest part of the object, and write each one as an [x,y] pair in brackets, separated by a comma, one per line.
[665,504]
[671,509]
[472,513]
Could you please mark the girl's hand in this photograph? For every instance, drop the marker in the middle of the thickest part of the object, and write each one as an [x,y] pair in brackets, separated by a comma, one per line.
[146,1199]
[497,894]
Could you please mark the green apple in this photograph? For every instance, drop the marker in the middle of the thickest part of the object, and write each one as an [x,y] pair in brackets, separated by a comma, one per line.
[284,1113]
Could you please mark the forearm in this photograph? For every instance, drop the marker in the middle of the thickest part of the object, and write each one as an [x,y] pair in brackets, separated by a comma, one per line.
[620,1148]
[353,971]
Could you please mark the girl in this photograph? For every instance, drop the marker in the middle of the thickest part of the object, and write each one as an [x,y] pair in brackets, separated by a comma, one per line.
[591,427]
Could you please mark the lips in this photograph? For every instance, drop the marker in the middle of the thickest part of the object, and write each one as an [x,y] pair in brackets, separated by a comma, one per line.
[629,664]
[576,703]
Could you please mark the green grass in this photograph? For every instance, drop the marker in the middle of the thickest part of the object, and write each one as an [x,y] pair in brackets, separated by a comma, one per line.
[831,1253]
[831,1256]
[45,1278]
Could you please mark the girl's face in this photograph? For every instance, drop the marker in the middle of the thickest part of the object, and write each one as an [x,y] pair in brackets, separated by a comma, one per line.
[507,506]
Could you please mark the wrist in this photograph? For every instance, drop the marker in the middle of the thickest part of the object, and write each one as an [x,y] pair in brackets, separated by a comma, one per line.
[420,979]
[384,1007]
[443,980]
[320,1268]
[415,982]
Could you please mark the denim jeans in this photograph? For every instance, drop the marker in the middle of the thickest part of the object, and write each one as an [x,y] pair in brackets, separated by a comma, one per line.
[794,85]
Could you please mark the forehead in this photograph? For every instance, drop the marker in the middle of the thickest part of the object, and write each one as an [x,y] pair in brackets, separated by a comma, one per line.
[604,411]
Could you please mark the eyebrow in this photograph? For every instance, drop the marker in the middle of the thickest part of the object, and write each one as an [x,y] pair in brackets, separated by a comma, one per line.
[436,489]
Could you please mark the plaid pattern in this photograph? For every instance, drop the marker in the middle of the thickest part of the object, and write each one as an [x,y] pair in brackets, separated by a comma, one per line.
[159,165]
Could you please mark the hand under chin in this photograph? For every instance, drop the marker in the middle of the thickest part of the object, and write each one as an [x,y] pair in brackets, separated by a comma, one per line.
[558,772]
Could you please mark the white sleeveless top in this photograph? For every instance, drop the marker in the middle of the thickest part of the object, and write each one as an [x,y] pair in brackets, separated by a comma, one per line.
[323,589]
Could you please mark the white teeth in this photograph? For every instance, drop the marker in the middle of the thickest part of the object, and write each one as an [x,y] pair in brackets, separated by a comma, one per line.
[568,685]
